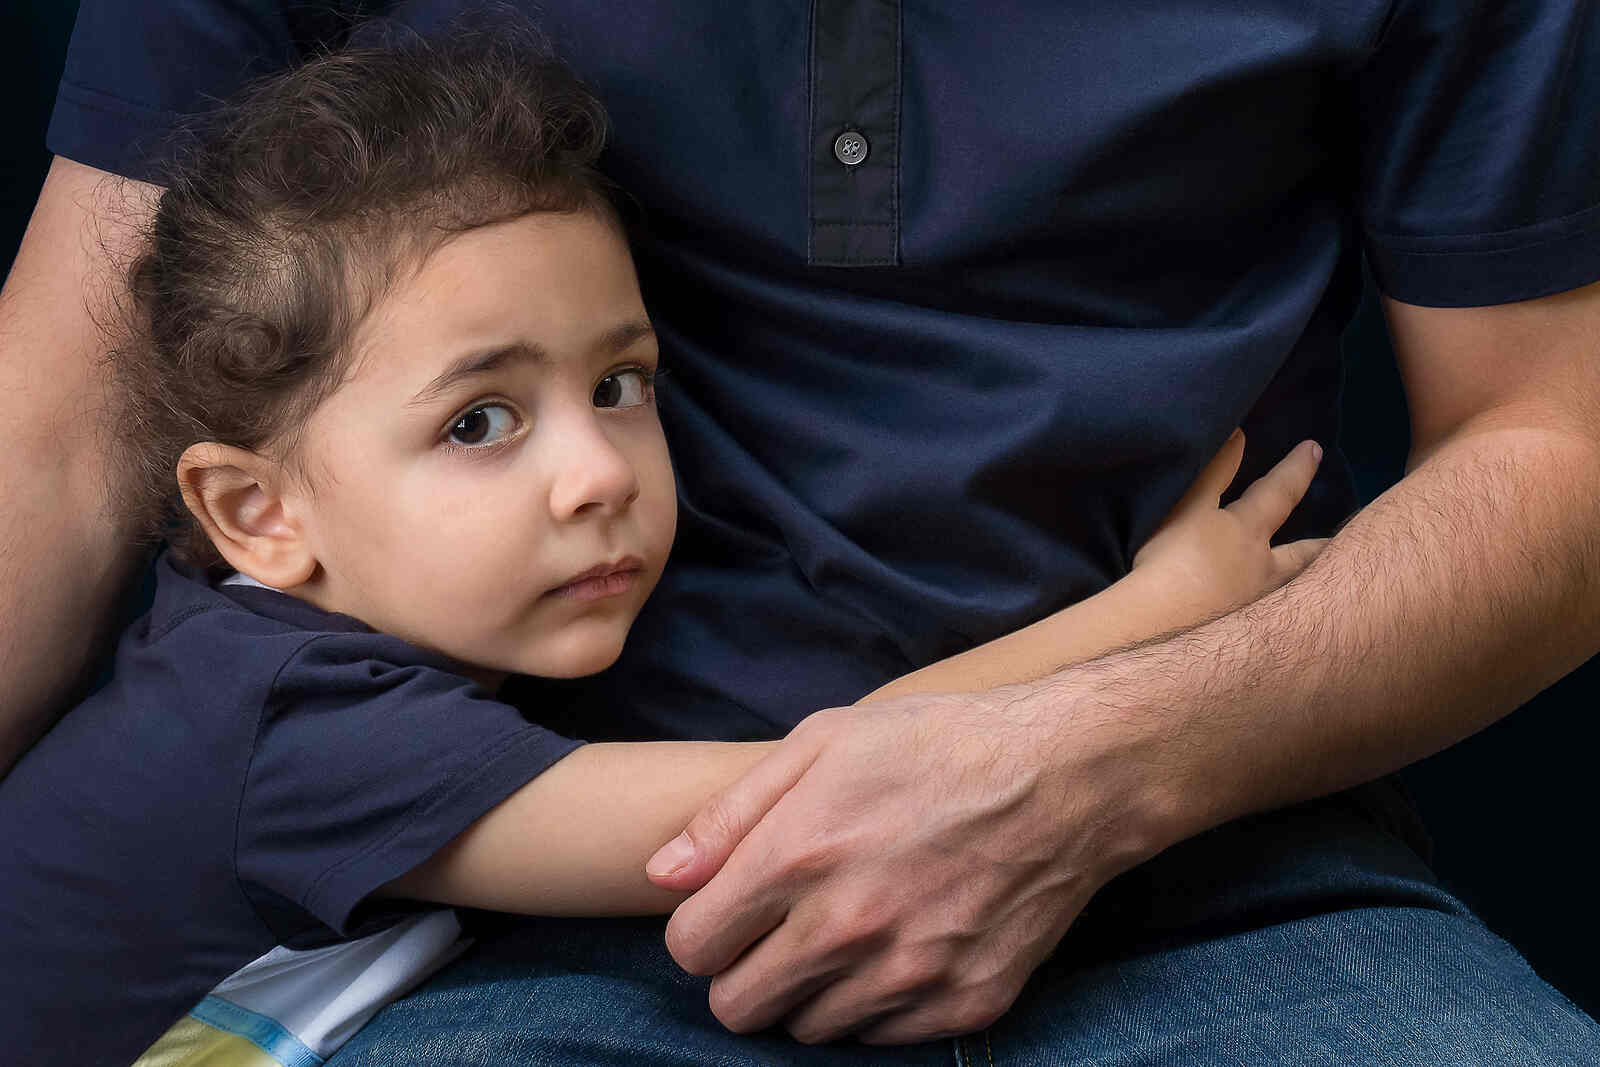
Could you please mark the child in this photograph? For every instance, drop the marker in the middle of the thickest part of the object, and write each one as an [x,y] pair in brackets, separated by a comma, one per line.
[390,341]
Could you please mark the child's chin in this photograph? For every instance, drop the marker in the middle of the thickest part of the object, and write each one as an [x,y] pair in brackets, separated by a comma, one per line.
[578,663]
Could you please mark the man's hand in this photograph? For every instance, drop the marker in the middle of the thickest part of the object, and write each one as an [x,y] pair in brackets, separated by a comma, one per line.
[907,927]
[898,870]
[907,868]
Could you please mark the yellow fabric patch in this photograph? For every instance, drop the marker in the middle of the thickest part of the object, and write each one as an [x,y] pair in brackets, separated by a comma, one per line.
[191,1043]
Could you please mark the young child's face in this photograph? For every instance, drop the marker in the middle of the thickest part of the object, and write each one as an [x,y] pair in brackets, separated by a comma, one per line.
[491,481]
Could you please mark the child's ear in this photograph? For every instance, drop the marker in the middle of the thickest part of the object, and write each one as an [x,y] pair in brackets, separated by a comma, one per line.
[237,496]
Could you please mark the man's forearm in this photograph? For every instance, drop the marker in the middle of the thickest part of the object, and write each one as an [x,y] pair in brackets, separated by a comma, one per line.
[63,556]
[1461,592]
[60,570]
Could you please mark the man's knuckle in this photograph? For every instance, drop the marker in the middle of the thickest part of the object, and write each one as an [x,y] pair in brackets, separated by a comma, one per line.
[716,822]
[972,1019]
[731,1008]
[811,1035]
[841,939]
[685,946]
[925,1027]
[869,909]
[807,864]
[911,970]
[979,1006]
[819,721]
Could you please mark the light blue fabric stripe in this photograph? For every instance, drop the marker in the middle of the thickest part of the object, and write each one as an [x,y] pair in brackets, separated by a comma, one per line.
[266,1034]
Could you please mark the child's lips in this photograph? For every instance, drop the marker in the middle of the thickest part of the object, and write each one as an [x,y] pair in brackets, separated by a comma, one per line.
[601,581]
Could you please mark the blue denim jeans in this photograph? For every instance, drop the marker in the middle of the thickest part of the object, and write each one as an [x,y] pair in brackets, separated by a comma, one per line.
[1310,936]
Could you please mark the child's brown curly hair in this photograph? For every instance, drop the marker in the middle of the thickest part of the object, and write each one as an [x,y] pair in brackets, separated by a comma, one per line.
[289,213]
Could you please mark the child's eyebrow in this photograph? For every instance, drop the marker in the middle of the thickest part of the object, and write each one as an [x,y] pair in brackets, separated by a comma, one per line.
[479,363]
[613,340]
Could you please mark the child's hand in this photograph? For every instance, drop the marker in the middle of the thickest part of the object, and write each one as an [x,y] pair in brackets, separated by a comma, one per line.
[1220,558]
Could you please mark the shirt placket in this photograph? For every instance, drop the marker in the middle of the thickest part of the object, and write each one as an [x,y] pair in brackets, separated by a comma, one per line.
[855,133]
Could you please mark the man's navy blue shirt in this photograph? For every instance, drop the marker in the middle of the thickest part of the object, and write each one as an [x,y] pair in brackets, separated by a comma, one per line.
[957,299]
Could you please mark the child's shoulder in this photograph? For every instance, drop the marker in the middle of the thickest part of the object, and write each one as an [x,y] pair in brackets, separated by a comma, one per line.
[238,633]
[200,675]
[188,605]
[211,686]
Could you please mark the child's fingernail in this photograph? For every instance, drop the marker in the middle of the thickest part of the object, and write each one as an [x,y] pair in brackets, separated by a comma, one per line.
[1316,452]
[673,857]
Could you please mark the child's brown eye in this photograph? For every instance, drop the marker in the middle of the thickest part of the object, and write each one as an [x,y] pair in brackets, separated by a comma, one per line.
[624,389]
[483,425]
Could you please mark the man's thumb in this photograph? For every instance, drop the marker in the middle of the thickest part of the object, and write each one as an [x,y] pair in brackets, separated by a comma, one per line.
[689,860]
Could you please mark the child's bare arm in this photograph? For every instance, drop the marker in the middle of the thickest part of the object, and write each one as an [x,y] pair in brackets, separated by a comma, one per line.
[574,841]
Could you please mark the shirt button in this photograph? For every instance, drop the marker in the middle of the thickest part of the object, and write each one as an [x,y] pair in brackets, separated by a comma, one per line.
[850,147]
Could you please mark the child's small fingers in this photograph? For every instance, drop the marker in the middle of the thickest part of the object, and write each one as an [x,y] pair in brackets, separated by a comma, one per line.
[1296,556]
[1214,479]
[1267,502]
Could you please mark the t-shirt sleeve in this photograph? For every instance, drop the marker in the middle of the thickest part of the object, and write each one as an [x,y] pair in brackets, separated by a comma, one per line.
[1480,167]
[363,769]
[135,70]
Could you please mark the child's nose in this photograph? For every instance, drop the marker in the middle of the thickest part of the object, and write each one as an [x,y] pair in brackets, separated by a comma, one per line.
[594,476]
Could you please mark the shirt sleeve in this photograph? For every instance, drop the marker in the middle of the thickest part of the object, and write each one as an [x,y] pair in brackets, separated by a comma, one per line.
[134,71]
[364,769]
[1480,168]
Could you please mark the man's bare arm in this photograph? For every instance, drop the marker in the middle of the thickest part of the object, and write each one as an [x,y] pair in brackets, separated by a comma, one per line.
[1452,599]
[1458,594]
[63,559]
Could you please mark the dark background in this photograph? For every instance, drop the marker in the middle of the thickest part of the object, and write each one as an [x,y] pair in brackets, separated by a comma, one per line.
[1509,810]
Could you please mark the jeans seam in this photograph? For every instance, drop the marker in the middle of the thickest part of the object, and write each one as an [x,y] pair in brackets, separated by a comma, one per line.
[964,1056]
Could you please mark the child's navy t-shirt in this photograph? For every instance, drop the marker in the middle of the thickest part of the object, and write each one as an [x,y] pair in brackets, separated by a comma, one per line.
[254,771]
